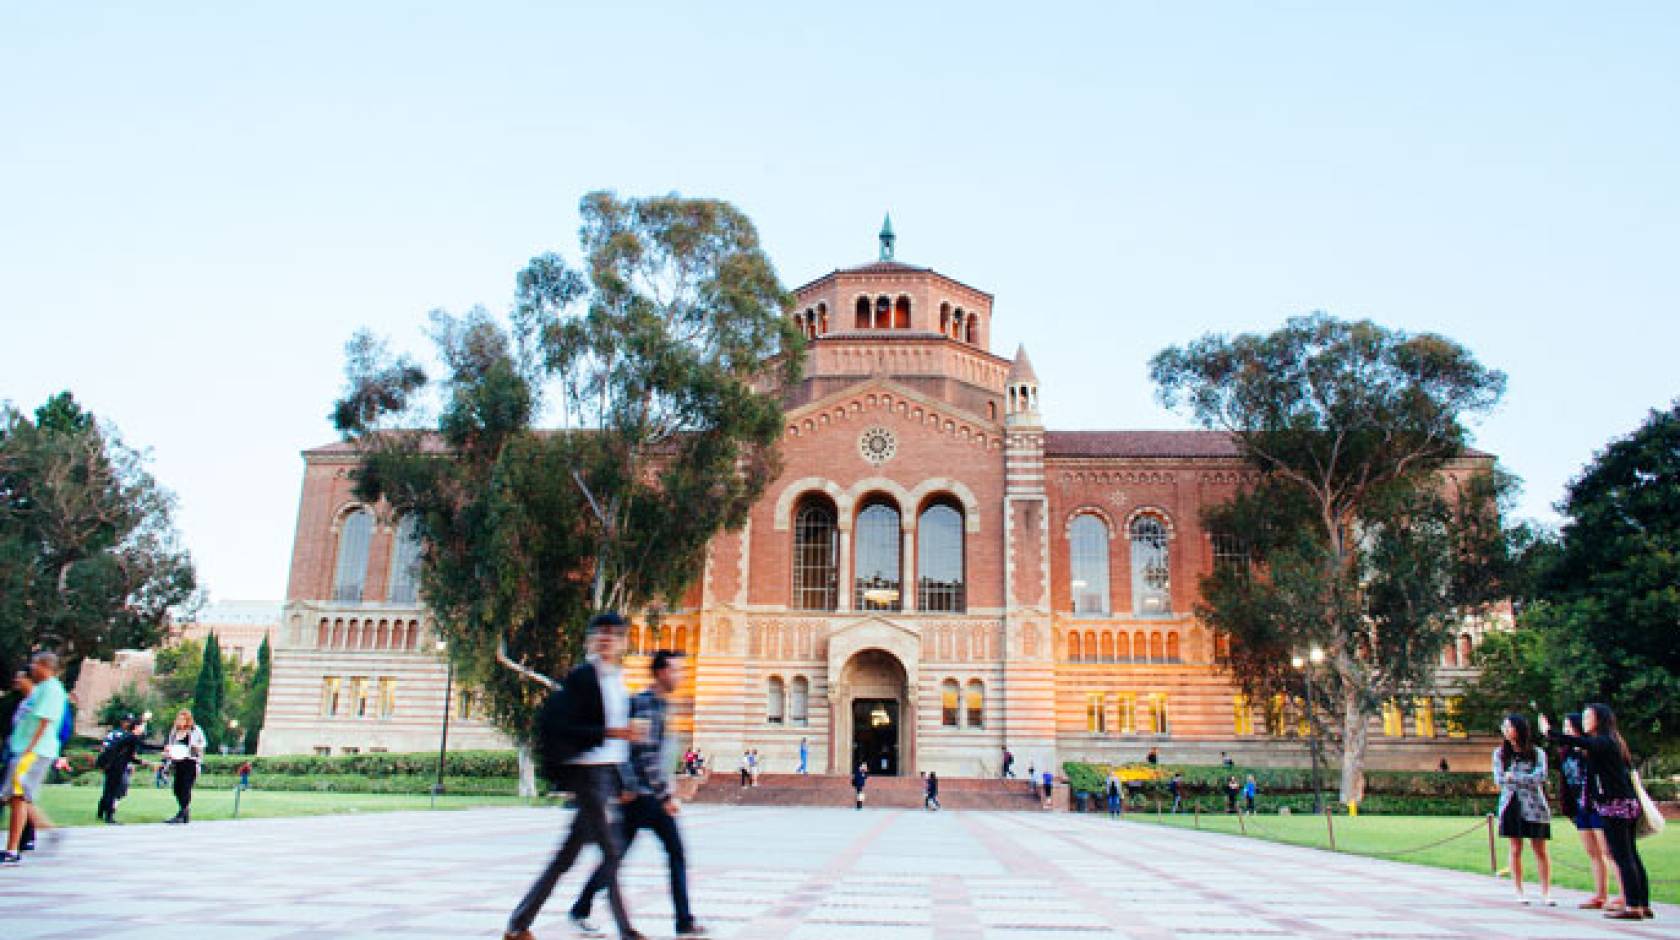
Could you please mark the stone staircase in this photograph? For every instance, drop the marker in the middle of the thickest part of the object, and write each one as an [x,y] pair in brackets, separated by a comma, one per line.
[905,792]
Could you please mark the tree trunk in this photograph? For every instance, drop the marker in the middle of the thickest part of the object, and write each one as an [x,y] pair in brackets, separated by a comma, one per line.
[1354,737]
[527,772]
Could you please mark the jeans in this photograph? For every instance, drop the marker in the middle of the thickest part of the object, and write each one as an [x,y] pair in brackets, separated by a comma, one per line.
[186,774]
[1624,851]
[116,787]
[596,787]
[645,812]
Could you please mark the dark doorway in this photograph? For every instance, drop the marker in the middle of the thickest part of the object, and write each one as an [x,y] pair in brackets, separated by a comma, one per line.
[875,735]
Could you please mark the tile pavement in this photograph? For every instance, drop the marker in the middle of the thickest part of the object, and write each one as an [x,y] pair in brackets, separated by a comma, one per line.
[760,872]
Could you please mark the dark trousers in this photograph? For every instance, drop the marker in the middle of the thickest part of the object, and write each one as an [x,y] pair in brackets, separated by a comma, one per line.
[1624,851]
[596,787]
[645,812]
[116,787]
[186,774]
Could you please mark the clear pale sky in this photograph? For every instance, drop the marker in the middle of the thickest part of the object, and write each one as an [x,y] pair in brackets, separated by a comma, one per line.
[200,202]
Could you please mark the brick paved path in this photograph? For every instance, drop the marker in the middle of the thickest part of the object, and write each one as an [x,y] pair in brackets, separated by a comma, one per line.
[803,874]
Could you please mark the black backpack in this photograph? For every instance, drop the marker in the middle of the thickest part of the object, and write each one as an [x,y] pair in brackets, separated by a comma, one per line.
[552,750]
[107,751]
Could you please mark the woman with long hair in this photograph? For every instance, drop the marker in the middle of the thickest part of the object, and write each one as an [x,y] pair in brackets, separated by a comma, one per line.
[1610,792]
[183,748]
[1519,768]
[1572,763]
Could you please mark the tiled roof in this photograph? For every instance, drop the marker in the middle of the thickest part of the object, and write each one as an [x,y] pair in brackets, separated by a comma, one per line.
[1140,444]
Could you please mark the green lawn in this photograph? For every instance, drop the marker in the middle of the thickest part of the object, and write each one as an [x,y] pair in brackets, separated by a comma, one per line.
[1397,836]
[75,806]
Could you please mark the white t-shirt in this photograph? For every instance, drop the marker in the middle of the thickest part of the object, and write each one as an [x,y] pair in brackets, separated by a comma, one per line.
[615,706]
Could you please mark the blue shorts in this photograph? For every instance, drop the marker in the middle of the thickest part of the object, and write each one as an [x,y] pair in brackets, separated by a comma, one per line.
[1588,819]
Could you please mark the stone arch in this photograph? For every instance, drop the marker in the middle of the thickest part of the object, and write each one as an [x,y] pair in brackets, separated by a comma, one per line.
[1089,509]
[791,493]
[875,642]
[1151,509]
[939,485]
[868,485]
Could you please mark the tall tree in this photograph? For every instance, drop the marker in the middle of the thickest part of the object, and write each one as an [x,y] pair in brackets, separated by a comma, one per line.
[209,692]
[256,703]
[89,559]
[1370,537]
[661,365]
[1604,624]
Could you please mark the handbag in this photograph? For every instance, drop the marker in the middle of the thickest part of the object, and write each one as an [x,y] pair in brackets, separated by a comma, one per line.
[1650,821]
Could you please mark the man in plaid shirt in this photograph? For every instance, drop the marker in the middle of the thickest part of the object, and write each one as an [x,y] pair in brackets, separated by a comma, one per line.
[654,806]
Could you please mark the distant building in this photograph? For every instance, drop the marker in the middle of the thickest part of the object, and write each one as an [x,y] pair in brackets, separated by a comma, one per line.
[935,576]
[240,626]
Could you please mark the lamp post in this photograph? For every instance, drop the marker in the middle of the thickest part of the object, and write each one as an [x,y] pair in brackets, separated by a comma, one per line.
[1305,664]
[448,696]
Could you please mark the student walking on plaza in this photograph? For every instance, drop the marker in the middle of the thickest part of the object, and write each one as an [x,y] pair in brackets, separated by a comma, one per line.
[1248,790]
[24,685]
[1049,779]
[804,756]
[746,768]
[1175,786]
[1232,788]
[1611,793]
[118,754]
[183,748]
[1572,763]
[34,746]
[860,778]
[930,799]
[655,805]
[586,738]
[1008,764]
[1519,769]
[1115,794]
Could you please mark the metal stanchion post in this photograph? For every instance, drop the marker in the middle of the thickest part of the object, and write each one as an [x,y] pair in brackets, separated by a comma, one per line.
[1493,850]
[1242,825]
[1197,810]
[1330,827]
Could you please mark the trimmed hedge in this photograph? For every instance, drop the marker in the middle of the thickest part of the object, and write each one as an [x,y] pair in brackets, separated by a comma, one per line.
[456,764]
[420,784]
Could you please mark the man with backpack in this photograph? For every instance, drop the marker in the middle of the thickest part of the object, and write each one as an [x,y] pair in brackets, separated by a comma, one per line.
[584,735]
[118,754]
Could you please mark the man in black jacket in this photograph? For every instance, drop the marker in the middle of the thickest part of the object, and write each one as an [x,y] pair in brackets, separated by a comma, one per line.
[118,754]
[591,739]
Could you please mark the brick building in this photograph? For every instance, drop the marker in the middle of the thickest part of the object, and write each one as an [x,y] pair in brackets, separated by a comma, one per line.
[935,575]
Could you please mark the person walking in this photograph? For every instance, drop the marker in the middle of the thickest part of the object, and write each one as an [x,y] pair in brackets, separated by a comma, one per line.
[1008,764]
[804,756]
[860,778]
[1572,765]
[654,806]
[1250,788]
[1610,792]
[1175,786]
[1049,781]
[24,685]
[1153,757]
[34,746]
[930,799]
[1115,795]
[1519,770]
[746,769]
[1232,788]
[586,737]
[183,749]
[754,765]
[118,754]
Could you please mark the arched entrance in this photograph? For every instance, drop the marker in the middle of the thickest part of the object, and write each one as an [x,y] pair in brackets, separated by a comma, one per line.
[874,722]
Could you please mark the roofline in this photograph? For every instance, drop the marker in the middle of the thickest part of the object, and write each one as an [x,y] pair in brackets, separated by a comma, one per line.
[909,269]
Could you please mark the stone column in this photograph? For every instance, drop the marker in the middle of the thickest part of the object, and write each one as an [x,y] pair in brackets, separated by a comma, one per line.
[843,596]
[907,590]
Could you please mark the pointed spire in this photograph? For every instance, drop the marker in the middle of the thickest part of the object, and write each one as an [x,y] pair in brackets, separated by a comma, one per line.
[1021,370]
[887,238]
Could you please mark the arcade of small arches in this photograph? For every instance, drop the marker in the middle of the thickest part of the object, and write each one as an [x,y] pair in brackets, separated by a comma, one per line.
[356,633]
[645,639]
[891,313]
[1122,646]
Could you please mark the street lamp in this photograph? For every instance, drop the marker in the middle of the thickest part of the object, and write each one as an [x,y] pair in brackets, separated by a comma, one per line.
[448,695]
[1314,657]
[233,734]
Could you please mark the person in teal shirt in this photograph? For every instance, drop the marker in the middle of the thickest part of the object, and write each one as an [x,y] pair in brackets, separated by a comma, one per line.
[34,745]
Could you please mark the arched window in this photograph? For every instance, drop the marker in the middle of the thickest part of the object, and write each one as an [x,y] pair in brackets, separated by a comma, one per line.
[822,318]
[883,313]
[775,700]
[976,704]
[354,534]
[991,410]
[945,319]
[1465,649]
[1123,646]
[1107,647]
[799,702]
[949,693]
[862,322]
[901,314]
[1088,548]
[878,581]
[1090,646]
[1151,583]
[816,555]
[1073,646]
[682,640]
[1157,649]
[405,562]
[1172,648]
[957,323]
[939,560]
[1140,646]
[1449,656]
[969,337]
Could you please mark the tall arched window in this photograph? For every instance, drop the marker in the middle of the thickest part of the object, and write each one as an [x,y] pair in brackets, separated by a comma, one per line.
[883,313]
[901,314]
[945,319]
[1073,646]
[878,581]
[822,318]
[1088,548]
[799,701]
[405,562]
[1151,582]
[969,330]
[976,704]
[1140,646]
[775,700]
[353,537]
[1123,646]
[1090,646]
[949,704]
[816,550]
[681,642]
[862,321]
[1107,647]
[1172,648]
[939,560]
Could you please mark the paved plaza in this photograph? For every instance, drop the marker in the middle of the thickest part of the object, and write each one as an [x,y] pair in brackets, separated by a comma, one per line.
[798,873]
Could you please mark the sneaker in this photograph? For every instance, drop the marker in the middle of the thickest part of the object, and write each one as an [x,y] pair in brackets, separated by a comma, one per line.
[10,858]
[692,930]
[1522,900]
[1548,902]
[584,927]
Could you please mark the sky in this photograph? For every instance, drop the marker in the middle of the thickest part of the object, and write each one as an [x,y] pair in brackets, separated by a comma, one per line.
[199,203]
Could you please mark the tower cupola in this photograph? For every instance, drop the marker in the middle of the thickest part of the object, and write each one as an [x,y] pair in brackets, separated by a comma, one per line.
[1021,388]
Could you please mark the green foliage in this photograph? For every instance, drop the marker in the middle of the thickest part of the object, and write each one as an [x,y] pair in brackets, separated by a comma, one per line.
[130,700]
[1604,622]
[89,558]
[255,709]
[1368,534]
[487,764]
[663,360]
[208,693]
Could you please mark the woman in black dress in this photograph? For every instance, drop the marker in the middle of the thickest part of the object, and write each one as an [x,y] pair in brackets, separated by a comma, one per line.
[1519,768]
[1572,767]
[1610,792]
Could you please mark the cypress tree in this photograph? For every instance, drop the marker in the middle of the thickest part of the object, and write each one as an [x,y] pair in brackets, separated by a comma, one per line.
[256,704]
[207,694]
